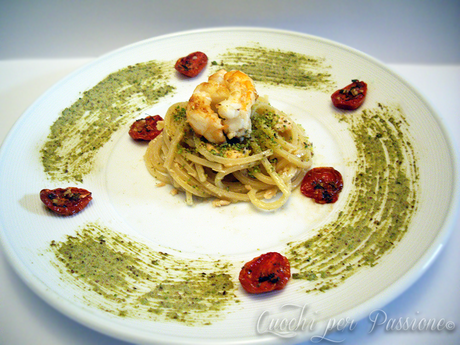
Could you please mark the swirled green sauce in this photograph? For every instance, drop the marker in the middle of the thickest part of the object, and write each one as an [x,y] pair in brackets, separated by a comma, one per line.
[83,128]
[278,67]
[135,281]
[379,209]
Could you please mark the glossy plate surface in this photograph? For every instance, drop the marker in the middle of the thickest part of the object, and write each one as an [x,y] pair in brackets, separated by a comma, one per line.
[237,232]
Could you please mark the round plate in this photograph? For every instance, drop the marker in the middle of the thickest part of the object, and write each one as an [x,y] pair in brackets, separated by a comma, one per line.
[127,201]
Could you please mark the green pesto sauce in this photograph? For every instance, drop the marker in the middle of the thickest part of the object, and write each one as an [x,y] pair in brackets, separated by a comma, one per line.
[278,67]
[379,209]
[135,281]
[84,127]
[264,132]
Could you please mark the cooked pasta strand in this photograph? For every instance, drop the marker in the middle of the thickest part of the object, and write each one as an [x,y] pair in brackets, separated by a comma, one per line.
[262,169]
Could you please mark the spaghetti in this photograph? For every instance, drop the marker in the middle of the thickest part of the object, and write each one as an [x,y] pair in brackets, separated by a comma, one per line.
[262,168]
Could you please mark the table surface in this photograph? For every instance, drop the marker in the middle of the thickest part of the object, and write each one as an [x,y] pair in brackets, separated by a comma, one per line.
[26,319]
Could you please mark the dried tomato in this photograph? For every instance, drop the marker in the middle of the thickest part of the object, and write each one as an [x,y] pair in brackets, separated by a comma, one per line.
[66,201]
[268,272]
[145,129]
[351,96]
[322,184]
[192,64]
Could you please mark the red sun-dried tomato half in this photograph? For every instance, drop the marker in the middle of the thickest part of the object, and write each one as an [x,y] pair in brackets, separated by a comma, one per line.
[351,96]
[145,129]
[65,201]
[192,64]
[267,272]
[323,184]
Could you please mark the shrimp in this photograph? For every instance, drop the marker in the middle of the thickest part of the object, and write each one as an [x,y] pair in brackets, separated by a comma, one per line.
[220,108]
[236,110]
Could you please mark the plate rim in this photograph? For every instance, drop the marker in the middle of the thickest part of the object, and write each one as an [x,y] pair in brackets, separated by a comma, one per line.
[382,298]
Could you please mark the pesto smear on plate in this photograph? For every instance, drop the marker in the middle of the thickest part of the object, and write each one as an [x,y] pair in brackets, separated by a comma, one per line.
[83,128]
[132,280]
[278,67]
[135,281]
[379,209]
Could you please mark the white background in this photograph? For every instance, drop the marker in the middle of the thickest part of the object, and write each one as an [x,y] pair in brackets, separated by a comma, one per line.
[43,41]
[394,31]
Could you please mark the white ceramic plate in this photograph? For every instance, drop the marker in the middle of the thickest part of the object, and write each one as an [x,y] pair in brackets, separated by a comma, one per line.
[242,232]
